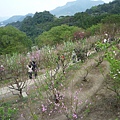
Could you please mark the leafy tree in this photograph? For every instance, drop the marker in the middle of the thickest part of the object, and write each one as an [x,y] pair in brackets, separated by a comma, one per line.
[56,35]
[94,29]
[12,40]
[111,19]
[85,20]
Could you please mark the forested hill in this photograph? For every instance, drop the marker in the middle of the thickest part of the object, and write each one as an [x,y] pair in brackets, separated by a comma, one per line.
[44,21]
[112,8]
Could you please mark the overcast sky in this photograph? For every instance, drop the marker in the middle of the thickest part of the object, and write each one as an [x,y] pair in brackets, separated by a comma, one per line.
[22,7]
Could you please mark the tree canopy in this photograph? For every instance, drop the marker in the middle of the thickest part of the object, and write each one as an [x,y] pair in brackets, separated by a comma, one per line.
[13,40]
[56,35]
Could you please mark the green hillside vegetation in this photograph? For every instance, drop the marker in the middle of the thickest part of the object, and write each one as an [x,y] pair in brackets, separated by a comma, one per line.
[107,8]
[13,40]
[38,24]
[44,28]
[57,35]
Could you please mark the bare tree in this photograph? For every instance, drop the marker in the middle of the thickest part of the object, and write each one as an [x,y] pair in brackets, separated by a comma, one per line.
[16,66]
[18,85]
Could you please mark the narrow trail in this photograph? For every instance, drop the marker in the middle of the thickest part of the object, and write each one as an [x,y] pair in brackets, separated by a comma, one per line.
[6,92]
[85,95]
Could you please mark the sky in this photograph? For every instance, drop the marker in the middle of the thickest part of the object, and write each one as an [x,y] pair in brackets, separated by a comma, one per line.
[9,8]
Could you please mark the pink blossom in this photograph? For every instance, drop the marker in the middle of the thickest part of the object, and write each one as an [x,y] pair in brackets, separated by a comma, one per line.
[74,115]
[43,108]
[60,111]
[21,115]
[80,89]
[86,101]
[80,102]
[77,92]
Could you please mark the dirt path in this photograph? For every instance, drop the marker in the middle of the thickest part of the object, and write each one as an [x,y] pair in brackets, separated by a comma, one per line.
[84,92]
[6,92]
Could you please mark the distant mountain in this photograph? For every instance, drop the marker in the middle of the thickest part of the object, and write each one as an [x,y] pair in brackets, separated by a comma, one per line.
[76,6]
[15,19]
[3,18]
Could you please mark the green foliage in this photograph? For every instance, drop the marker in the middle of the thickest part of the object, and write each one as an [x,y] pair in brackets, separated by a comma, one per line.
[112,19]
[12,40]
[85,20]
[35,117]
[114,64]
[111,57]
[69,46]
[56,35]
[43,17]
[112,8]
[94,29]
[114,70]
[102,46]
[33,26]
[87,111]
[6,112]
